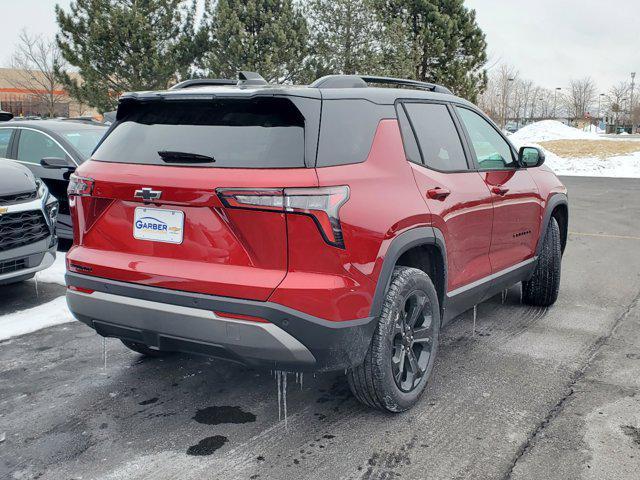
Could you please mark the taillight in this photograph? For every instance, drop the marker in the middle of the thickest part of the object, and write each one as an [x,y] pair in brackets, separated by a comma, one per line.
[80,186]
[321,204]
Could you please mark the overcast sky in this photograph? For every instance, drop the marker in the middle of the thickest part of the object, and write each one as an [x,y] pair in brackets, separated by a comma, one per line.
[548,41]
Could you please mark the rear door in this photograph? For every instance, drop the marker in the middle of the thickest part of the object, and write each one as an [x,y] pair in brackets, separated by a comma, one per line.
[456,196]
[517,203]
[213,172]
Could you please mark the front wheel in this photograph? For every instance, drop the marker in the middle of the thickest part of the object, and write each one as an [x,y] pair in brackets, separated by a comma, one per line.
[400,359]
[543,287]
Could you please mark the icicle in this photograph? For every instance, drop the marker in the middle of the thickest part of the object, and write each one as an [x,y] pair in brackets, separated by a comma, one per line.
[284,400]
[279,395]
[504,296]
[301,380]
[36,284]
[521,293]
[104,351]
[475,315]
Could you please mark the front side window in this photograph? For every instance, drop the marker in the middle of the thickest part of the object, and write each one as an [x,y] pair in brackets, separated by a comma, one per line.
[437,136]
[492,151]
[5,137]
[34,146]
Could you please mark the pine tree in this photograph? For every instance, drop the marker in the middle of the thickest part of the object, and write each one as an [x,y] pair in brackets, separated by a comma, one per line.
[265,36]
[343,37]
[443,40]
[125,45]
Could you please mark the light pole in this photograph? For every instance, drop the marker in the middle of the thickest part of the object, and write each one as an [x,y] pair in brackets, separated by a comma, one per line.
[555,100]
[599,104]
[631,111]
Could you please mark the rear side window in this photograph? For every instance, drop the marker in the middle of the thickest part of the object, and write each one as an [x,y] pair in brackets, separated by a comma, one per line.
[437,136]
[235,133]
[347,130]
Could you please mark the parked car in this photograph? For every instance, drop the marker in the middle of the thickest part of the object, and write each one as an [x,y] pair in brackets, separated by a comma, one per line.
[51,149]
[27,224]
[329,227]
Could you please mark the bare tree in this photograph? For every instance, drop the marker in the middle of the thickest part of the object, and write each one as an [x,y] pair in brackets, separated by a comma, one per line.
[497,99]
[580,97]
[34,61]
[617,98]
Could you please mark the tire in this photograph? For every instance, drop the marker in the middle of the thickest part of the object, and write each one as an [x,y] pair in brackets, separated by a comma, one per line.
[543,287]
[385,380]
[145,350]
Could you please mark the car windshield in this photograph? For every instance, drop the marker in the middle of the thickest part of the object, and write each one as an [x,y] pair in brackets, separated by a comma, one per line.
[84,140]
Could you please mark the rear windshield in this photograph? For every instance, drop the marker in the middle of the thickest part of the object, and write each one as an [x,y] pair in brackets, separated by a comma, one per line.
[237,133]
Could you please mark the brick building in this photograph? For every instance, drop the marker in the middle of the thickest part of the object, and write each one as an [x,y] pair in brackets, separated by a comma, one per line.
[21,101]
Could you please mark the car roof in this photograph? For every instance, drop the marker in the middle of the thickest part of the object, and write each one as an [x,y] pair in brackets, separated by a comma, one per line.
[383,96]
[57,126]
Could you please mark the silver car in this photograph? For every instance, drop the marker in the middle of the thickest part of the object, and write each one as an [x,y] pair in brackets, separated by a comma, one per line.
[27,224]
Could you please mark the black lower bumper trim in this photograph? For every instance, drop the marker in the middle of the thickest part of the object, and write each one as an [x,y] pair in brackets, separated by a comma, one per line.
[335,345]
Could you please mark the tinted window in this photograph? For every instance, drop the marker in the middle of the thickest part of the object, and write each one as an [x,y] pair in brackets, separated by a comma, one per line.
[347,130]
[408,138]
[437,136]
[34,146]
[252,133]
[492,151]
[84,140]
[5,136]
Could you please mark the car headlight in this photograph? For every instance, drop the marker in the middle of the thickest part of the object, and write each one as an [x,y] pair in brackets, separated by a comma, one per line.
[52,212]
[42,188]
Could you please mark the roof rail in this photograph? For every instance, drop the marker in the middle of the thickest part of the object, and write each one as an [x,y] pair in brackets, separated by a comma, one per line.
[339,81]
[358,81]
[200,82]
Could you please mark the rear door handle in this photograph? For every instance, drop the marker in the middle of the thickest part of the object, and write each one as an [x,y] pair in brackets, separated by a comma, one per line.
[438,193]
[499,190]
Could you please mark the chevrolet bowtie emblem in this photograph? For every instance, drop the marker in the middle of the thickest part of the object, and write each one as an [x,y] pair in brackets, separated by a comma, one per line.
[148,194]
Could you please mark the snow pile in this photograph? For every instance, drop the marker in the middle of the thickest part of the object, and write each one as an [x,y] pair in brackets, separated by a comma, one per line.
[49,314]
[547,130]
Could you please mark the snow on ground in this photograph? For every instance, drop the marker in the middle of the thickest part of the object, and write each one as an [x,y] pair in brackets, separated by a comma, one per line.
[55,273]
[622,166]
[48,314]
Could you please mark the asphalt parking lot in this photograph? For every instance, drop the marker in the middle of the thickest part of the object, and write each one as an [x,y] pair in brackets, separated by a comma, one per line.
[533,393]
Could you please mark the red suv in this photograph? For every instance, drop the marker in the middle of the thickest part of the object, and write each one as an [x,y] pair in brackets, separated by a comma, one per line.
[326,227]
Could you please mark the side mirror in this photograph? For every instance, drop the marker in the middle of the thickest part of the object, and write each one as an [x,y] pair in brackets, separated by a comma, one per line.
[529,157]
[57,162]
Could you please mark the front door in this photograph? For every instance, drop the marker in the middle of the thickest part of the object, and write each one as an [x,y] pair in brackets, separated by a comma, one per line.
[517,203]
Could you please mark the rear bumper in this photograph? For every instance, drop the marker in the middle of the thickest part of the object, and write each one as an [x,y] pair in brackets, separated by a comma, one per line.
[185,322]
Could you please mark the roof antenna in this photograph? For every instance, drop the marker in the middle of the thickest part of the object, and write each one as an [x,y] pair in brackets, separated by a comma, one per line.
[250,78]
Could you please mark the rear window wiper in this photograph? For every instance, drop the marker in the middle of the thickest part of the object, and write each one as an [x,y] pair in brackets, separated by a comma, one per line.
[184,157]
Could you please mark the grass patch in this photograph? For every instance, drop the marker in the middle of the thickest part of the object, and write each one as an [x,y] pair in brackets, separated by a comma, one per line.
[591,148]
